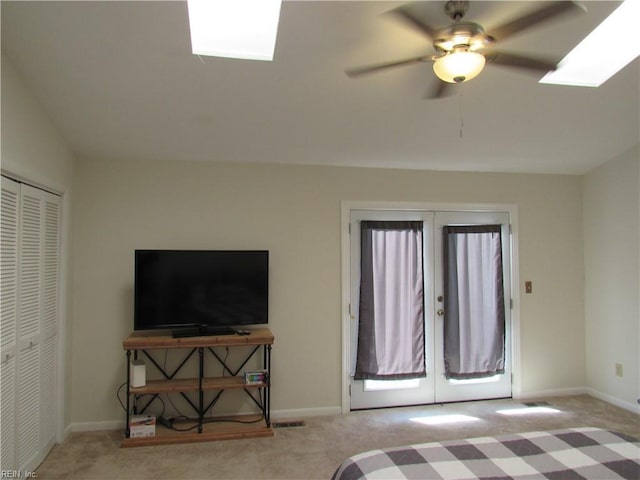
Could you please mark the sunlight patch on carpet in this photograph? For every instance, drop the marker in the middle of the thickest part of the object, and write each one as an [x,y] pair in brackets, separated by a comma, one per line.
[535,410]
[444,419]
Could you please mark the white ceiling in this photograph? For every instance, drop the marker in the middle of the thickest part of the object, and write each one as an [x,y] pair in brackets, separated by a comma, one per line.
[119,81]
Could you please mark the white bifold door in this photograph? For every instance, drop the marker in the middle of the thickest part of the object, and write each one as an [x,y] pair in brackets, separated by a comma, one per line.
[430,307]
[30,246]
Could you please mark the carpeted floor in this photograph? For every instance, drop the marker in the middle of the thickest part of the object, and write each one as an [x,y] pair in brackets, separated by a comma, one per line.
[315,450]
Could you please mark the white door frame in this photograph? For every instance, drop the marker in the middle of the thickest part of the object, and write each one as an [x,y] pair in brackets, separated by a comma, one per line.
[348,205]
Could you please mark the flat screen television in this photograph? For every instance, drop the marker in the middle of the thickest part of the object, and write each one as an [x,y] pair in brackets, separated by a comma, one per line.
[200,292]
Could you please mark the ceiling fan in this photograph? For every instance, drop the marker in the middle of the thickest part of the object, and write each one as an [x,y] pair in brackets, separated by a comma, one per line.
[463,48]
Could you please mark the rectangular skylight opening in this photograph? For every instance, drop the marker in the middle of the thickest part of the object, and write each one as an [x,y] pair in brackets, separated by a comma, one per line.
[604,52]
[244,29]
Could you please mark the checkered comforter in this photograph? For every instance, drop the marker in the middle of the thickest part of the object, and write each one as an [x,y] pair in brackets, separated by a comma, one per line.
[573,453]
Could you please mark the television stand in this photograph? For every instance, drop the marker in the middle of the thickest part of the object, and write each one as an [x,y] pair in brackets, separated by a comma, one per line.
[198,388]
[202,332]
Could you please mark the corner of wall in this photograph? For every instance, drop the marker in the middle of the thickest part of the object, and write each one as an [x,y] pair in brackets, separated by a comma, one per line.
[611,226]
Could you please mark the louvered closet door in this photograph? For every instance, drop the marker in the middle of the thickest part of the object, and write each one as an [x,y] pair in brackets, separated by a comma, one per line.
[8,328]
[49,325]
[31,403]
[30,312]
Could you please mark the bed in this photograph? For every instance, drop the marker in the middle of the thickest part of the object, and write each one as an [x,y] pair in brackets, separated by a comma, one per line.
[573,453]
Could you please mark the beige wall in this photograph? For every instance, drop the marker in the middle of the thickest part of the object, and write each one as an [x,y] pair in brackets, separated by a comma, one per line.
[32,148]
[33,151]
[295,213]
[612,264]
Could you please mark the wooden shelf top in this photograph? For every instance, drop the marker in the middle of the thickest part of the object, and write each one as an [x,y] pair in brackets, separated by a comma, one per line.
[167,386]
[150,339]
[223,383]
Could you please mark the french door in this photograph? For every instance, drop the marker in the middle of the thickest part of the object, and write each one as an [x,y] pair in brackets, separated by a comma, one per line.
[474,240]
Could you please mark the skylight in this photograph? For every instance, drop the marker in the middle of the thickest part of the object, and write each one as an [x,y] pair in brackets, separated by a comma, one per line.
[604,52]
[243,29]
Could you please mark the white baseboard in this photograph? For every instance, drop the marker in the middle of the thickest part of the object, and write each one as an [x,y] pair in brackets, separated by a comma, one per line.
[65,434]
[96,426]
[321,411]
[558,392]
[275,415]
[635,408]
[305,412]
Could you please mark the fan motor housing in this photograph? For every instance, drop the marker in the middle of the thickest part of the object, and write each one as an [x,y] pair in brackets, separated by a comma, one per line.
[464,34]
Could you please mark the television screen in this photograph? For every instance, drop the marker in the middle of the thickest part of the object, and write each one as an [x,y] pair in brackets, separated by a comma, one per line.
[208,291]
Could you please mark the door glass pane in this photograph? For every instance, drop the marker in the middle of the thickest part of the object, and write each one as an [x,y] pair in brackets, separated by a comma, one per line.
[474,316]
[391,310]
[378,385]
[473,381]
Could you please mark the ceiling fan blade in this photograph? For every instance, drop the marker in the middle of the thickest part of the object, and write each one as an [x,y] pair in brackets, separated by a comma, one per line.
[358,71]
[440,89]
[536,17]
[520,61]
[409,17]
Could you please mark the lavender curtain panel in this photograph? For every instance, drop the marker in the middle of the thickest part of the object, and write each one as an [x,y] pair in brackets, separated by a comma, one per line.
[474,318]
[391,327]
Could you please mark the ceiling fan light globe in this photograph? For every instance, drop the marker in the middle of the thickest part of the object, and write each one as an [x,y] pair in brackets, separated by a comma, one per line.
[458,67]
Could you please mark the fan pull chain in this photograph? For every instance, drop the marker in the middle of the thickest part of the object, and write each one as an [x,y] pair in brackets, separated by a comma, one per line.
[460,110]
